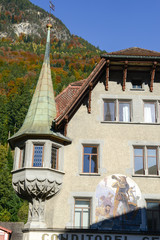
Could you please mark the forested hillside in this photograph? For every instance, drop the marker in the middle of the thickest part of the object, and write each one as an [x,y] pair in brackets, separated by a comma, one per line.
[21,58]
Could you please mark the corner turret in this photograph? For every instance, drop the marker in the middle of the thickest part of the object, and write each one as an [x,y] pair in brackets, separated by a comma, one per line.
[38,161]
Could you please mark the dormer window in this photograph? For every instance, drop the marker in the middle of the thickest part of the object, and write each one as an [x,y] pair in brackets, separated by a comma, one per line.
[38,156]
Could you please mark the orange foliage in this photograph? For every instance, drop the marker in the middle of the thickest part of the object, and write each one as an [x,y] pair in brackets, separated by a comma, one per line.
[58,79]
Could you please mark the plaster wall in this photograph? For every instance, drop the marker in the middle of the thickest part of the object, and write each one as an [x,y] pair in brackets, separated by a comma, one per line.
[115,141]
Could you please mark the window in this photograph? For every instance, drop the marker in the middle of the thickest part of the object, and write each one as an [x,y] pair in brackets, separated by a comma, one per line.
[22,157]
[136,84]
[82,213]
[146,160]
[109,110]
[152,161]
[90,159]
[38,156]
[139,160]
[54,157]
[117,110]
[149,112]
[153,215]
[124,111]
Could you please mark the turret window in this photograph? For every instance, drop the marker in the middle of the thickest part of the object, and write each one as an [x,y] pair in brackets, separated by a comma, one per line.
[38,156]
[21,157]
[54,157]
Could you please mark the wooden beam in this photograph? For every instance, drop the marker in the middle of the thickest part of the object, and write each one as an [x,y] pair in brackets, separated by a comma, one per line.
[90,94]
[124,75]
[107,75]
[153,76]
[66,125]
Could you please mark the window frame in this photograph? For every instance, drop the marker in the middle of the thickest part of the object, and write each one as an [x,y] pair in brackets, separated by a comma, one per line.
[57,157]
[152,213]
[139,147]
[109,101]
[38,144]
[21,157]
[117,103]
[90,145]
[124,101]
[156,113]
[145,159]
[89,219]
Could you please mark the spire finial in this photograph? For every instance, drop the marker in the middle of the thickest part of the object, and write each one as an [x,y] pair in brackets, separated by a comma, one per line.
[52,8]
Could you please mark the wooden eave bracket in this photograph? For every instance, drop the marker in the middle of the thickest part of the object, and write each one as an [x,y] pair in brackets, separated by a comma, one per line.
[90,95]
[107,75]
[153,76]
[66,125]
[124,75]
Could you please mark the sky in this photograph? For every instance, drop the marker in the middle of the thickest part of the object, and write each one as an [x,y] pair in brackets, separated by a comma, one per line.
[111,25]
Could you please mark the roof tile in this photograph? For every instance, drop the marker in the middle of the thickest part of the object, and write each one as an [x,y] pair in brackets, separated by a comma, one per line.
[135,51]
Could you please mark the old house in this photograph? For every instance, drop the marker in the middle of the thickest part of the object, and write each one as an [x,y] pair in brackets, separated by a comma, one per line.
[88,161]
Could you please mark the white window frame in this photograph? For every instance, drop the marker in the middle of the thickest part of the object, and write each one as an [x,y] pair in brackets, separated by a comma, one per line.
[155,113]
[90,207]
[117,109]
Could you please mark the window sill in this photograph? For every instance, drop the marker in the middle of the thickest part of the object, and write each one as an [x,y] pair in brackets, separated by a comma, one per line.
[90,174]
[146,176]
[137,89]
[140,123]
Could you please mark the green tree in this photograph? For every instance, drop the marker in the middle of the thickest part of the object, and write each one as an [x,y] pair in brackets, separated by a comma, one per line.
[9,202]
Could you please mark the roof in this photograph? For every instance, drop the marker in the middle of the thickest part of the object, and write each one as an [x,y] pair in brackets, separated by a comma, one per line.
[135,51]
[5,230]
[69,97]
[65,97]
[42,110]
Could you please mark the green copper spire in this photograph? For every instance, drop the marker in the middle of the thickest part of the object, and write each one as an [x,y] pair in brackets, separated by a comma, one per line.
[42,110]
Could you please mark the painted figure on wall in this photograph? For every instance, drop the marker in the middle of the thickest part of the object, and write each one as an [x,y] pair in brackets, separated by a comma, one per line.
[117,197]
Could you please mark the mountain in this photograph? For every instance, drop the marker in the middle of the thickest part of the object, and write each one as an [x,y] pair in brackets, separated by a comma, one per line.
[22,17]
[22,47]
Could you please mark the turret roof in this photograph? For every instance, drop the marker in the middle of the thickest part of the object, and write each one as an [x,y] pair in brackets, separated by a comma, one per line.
[42,110]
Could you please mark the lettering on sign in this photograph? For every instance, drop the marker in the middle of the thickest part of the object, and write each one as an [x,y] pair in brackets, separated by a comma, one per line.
[49,236]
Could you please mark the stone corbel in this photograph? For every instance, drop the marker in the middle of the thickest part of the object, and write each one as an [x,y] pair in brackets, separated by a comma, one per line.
[153,76]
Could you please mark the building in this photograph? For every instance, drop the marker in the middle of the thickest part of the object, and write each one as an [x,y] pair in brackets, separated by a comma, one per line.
[5,233]
[88,160]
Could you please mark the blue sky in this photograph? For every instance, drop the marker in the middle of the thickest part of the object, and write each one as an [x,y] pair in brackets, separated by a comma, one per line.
[111,24]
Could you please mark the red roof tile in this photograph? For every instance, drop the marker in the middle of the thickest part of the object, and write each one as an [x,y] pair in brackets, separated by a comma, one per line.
[135,51]
[66,97]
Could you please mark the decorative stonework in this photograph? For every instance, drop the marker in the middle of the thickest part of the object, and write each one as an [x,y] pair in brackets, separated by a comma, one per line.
[36,188]
[36,185]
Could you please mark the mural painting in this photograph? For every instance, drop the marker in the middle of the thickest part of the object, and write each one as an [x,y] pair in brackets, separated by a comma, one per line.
[117,202]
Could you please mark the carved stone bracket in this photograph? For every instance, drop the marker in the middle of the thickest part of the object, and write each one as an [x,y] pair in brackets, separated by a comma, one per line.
[36,186]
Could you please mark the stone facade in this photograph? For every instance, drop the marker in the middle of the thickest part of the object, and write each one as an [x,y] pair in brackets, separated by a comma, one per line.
[95,168]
